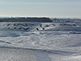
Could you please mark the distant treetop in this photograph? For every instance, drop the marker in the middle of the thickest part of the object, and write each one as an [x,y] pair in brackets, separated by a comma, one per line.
[25,19]
[38,19]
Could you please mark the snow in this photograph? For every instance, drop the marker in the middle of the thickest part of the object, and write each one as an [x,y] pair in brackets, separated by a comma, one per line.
[43,41]
[30,44]
[7,54]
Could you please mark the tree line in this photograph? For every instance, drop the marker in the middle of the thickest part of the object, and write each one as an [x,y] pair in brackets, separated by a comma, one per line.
[25,19]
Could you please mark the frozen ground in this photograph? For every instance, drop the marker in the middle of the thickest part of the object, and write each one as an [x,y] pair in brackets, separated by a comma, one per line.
[16,45]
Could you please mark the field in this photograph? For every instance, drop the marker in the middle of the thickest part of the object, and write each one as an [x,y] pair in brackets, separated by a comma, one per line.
[28,41]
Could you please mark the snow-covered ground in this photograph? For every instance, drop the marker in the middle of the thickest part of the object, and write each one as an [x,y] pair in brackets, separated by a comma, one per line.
[39,42]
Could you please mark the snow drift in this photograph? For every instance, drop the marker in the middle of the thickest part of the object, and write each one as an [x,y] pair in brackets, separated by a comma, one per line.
[23,41]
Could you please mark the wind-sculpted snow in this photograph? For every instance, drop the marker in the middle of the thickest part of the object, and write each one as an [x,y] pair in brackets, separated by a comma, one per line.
[24,41]
[40,41]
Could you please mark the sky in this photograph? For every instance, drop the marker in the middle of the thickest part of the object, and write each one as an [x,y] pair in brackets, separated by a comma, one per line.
[41,8]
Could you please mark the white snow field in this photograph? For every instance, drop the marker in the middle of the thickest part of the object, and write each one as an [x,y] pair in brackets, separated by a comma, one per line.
[21,41]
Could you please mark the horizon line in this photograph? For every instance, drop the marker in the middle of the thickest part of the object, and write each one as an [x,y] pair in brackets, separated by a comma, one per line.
[39,17]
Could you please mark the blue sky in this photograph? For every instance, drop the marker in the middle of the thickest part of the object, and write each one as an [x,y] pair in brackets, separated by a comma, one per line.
[48,8]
